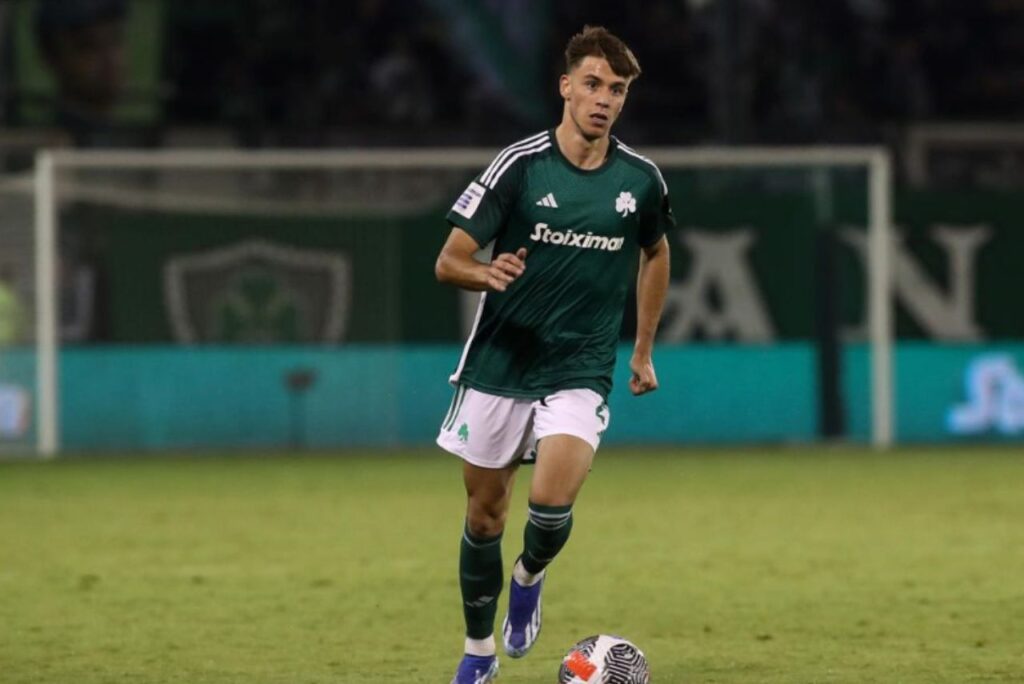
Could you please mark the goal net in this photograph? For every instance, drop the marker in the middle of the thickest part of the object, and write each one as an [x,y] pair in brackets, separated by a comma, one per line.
[225,298]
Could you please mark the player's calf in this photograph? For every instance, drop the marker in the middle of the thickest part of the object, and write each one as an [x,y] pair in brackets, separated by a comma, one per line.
[546,532]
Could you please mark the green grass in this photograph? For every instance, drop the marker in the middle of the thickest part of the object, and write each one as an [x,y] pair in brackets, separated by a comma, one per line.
[783,566]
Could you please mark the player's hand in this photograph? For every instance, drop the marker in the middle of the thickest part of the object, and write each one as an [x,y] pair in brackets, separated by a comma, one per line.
[644,380]
[505,268]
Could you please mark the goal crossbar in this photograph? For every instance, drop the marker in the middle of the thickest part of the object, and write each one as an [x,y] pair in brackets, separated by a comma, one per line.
[445,158]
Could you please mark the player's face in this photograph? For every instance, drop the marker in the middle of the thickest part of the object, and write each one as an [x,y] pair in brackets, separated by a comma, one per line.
[594,95]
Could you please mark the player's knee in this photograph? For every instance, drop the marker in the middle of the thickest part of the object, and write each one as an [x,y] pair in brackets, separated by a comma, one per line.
[485,521]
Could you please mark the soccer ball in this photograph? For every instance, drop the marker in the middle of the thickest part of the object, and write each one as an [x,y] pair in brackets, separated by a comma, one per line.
[604,659]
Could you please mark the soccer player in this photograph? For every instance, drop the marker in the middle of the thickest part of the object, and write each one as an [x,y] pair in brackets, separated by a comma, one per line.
[571,211]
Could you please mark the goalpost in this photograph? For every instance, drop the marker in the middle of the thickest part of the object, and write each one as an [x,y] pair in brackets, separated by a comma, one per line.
[50,163]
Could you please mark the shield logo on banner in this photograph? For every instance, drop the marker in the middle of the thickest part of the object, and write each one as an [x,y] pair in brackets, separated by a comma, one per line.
[258,292]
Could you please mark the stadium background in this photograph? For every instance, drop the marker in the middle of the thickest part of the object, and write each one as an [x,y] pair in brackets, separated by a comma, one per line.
[450,75]
[163,546]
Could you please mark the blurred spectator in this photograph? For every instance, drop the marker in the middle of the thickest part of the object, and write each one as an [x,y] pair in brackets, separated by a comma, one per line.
[12,312]
[83,44]
[674,90]
[401,86]
[905,89]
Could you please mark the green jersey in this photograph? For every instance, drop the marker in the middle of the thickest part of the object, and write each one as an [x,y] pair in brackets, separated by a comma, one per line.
[557,326]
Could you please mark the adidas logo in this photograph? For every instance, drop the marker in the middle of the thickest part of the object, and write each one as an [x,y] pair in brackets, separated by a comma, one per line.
[548,200]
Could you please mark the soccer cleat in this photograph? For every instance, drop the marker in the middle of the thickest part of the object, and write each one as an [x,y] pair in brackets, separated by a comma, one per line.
[476,670]
[522,623]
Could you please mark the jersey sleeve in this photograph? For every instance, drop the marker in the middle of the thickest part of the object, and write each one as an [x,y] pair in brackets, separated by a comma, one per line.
[483,207]
[657,219]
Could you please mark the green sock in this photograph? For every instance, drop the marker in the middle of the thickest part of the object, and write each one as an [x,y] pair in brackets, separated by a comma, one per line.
[546,532]
[480,578]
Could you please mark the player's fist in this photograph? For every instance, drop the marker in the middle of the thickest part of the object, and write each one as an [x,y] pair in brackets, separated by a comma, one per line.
[505,268]
[643,379]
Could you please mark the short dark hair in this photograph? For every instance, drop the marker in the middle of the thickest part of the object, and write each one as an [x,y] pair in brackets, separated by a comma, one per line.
[597,41]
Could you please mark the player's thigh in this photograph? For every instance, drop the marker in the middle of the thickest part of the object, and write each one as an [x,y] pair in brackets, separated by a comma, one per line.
[563,462]
[486,430]
[568,426]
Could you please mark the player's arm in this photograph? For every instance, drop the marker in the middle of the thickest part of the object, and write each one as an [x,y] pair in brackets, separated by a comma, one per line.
[651,286]
[456,266]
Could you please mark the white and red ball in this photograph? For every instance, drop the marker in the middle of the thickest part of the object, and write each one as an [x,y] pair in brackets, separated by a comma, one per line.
[604,659]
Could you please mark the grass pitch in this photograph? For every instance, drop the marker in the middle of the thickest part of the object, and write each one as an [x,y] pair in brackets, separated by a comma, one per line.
[724,566]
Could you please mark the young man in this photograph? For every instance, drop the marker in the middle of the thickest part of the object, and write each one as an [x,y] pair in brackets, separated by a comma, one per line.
[570,211]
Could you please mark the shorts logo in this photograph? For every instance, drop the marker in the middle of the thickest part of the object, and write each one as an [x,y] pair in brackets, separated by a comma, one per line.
[625,204]
[541,233]
[469,201]
[464,433]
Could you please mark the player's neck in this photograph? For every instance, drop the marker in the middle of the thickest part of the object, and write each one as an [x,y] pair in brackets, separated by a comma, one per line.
[581,152]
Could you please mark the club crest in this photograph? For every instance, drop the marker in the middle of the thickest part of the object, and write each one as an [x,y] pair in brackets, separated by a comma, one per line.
[625,204]
[258,292]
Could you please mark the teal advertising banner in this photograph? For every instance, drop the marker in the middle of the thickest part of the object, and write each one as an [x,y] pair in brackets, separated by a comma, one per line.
[378,396]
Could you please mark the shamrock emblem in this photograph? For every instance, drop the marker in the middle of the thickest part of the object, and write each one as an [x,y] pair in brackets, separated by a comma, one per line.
[625,204]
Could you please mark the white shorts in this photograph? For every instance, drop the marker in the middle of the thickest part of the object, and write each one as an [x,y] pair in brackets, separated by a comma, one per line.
[492,432]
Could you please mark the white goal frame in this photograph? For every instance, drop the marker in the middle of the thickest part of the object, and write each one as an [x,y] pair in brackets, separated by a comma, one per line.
[876,160]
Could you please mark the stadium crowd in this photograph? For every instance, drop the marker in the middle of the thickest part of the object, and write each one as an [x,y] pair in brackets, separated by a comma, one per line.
[316,72]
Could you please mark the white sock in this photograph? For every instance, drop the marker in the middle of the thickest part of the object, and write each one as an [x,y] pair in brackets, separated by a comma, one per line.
[480,647]
[523,578]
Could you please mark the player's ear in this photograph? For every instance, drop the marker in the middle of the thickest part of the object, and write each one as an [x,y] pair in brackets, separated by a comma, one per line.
[563,86]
